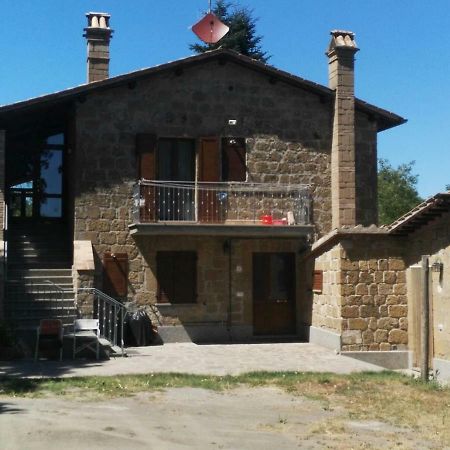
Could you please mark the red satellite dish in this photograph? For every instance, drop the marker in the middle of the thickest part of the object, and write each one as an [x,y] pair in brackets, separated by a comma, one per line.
[210,29]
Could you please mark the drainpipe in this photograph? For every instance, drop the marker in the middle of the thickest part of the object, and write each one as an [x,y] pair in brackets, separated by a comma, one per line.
[425,320]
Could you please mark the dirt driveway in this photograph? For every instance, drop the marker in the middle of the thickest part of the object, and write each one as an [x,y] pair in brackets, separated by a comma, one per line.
[191,418]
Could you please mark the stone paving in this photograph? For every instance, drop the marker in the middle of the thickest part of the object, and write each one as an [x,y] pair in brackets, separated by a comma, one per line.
[198,359]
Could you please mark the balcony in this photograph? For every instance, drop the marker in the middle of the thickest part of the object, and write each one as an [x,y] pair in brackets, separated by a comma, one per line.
[228,209]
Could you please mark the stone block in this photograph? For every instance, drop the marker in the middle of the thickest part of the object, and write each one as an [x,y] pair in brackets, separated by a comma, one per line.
[396,264]
[350,312]
[392,300]
[347,289]
[372,323]
[397,336]
[368,300]
[403,323]
[366,277]
[385,347]
[351,337]
[400,288]
[398,311]
[386,323]
[361,289]
[351,277]
[373,289]
[385,289]
[401,276]
[381,336]
[383,264]
[357,324]
[368,337]
[379,299]
[368,311]
[389,277]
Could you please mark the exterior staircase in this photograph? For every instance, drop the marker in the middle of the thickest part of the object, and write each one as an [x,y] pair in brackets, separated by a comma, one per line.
[39,276]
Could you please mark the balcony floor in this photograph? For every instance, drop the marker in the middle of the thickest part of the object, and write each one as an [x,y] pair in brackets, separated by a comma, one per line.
[234,230]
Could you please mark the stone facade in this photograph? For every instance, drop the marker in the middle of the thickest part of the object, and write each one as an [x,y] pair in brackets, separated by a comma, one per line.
[288,139]
[364,297]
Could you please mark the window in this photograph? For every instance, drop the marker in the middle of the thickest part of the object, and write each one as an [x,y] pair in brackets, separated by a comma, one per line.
[233,159]
[176,159]
[177,277]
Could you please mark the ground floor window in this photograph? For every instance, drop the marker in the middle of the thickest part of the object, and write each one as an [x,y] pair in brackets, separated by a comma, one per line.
[177,277]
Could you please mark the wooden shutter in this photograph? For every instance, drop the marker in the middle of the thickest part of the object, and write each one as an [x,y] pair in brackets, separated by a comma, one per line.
[146,154]
[209,161]
[177,277]
[233,159]
[115,274]
[318,281]
[209,171]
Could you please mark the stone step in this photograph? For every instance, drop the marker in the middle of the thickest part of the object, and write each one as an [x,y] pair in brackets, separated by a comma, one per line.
[30,279]
[41,272]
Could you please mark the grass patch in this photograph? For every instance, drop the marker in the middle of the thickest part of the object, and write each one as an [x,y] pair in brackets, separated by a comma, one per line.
[385,396]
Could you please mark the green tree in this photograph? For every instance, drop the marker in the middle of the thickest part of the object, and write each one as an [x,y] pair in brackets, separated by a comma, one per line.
[242,36]
[397,192]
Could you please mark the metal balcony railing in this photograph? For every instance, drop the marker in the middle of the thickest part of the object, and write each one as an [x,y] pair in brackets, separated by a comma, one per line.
[221,203]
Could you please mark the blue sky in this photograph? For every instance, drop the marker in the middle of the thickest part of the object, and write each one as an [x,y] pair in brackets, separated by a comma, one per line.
[403,64]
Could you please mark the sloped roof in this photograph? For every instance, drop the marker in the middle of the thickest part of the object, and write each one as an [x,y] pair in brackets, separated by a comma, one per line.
[384,118]
[420,215]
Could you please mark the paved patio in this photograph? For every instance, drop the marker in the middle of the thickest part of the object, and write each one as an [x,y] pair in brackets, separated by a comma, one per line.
[198,359]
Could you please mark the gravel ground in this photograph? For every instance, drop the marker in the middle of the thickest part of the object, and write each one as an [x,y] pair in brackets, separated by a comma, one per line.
[189,418]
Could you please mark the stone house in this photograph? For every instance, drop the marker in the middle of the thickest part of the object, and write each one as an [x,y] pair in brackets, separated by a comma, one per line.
[231,199]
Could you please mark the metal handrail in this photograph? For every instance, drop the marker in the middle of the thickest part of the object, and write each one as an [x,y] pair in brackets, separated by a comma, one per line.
[221,202]
[111,315]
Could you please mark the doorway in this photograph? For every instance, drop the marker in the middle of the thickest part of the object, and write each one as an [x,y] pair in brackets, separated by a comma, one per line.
[274,293]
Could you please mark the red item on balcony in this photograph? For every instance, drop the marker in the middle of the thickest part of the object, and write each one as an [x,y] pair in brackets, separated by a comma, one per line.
[266,220]
[280,221]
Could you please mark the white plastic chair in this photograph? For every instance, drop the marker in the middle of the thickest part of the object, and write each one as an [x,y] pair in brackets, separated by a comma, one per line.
[87,332]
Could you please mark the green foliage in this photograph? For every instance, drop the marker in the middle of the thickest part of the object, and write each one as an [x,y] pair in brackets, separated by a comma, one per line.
[397,193]
[242,36]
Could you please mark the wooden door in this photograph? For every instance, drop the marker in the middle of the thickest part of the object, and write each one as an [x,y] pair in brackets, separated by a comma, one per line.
[274,293]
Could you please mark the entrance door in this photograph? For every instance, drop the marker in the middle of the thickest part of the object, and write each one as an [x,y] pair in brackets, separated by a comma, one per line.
[274,293]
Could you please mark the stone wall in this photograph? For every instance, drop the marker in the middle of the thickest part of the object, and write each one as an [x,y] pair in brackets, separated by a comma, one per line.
[216,286]
[364,293]
[326,311]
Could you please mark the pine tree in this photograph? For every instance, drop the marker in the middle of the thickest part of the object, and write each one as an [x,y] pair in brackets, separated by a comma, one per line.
[242,36]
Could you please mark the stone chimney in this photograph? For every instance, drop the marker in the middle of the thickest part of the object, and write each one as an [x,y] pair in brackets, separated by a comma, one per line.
[341,54]
[98,34]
